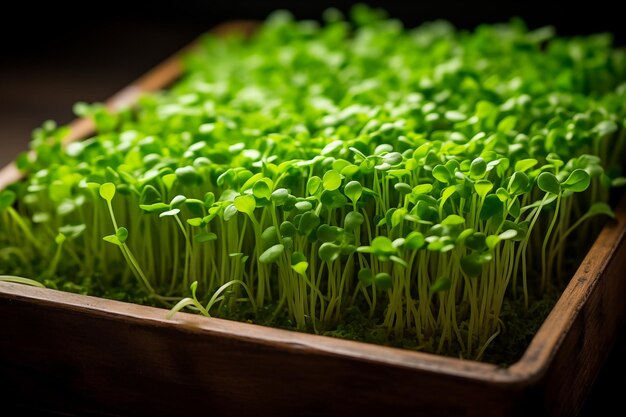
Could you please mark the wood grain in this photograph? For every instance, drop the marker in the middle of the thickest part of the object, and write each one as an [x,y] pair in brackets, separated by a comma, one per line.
[90,356]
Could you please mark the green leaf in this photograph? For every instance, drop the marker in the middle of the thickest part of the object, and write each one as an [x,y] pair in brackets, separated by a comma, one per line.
[502,194]
[122,234]
[555,160]
[297,257]
[353,190]
[150,195]
[288,242]
[153,208]
[326,233]
[261,189]
[60,239]
[397,216]
[483,187]
[382,280]
[507,124]
[521,229]
[72,231]
[366,277]
[269,237]
[333,199]
[578,181]
[331,180]
[441,174]
[464,235]
[453,220]
[353,220]
[403,188]
[485,109]
[178,201]
[426,212]
[313,185]
[442,283]
[414,241]
[209,199]
[492,241]
[508,234]
[398,243]
[245,204]
[399,173]
[347,250]
[41,217]
[303,206]
[170,213]
[287,229]
[229,195]
[7,198]
[518,184]
[195,222]
[112,239]
[599,208]
[476,241]
[328,252]
[188,176]
[279,196]
[227,178]
[381,246]
[204,236]
[472,264]
[478,168]
[272,254]
[392,158]
[107,191]
[605,128]
[300,267]
[168,180]
[515,208]
[308,222]
[547,182]
[21,280]
[251,181]
[60,191]
[616,182]
[299,263]
[525,164]
[422,189]
[455,116]
[399,261]
[447,193]
[290,203]
[491,207]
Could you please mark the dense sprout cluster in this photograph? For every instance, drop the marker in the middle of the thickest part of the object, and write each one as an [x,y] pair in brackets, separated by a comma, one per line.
[421,176]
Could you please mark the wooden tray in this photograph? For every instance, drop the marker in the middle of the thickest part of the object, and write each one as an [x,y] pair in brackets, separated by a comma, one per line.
[89,356]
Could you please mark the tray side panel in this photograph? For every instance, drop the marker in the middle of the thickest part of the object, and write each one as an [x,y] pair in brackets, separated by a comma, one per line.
[567,353]
[92,363]
[590,339]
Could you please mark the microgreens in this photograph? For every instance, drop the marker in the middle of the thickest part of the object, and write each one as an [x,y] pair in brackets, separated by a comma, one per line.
[423,176]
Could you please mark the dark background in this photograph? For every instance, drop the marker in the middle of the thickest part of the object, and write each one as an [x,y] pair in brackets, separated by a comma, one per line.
[53,56]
